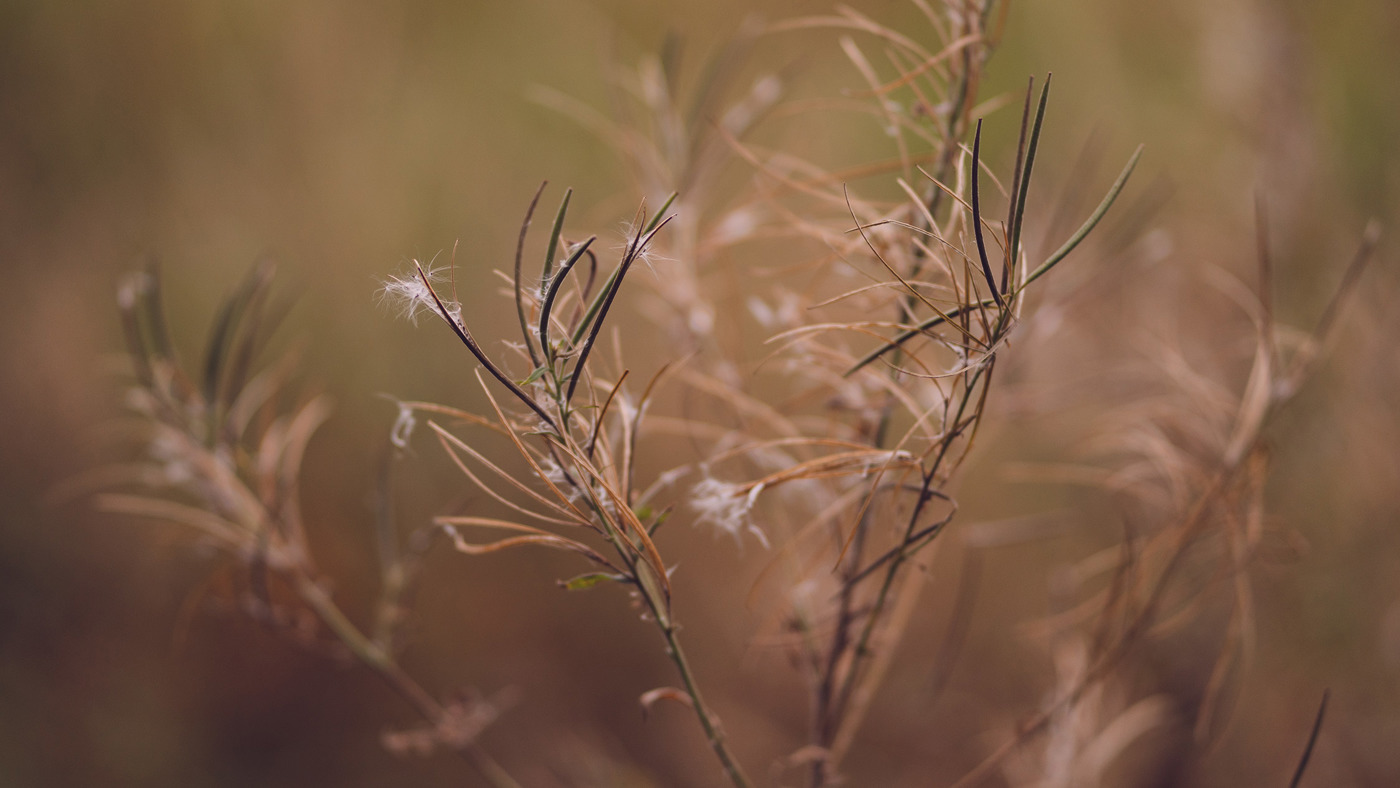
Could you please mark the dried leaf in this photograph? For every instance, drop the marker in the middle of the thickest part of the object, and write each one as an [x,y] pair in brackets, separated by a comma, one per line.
[650,697]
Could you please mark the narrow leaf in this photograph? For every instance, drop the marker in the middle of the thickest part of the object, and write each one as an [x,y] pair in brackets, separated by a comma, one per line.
[1014,197]
[1025,176]
[977,215]
[519,257]
[1312,742]
[587,581]
[554,284]
[638,246]
[660,212]
[463,334]
[554,236]
[1090,223]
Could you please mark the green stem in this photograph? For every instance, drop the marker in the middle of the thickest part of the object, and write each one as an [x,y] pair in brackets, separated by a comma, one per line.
[709,722]
[713,732]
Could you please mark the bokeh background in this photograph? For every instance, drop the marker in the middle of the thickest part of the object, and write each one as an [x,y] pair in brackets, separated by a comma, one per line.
[344,139]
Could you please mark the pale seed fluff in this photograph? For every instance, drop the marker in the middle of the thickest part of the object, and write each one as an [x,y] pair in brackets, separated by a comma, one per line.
[736,225]
[410,296]
[726,506]
[403,426]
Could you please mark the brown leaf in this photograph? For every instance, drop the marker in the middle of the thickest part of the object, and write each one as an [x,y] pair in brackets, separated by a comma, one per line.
[650,697]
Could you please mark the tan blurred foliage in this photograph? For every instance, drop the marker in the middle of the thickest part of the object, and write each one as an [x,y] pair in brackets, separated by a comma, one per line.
[343,139]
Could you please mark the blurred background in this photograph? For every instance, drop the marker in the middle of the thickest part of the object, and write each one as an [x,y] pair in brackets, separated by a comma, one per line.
[342,140]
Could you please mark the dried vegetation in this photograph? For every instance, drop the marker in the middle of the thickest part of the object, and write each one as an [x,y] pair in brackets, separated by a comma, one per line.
[829,451]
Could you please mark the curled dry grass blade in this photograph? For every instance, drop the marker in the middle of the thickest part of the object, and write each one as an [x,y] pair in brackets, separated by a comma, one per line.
[451,444]
[533,536]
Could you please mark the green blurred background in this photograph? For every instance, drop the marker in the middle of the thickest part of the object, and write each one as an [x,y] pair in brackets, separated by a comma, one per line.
[343,139]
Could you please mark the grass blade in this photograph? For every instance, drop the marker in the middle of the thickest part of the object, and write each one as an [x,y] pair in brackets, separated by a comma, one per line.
[1023,187]
[660,212]
[1312,742]
[224,334]
[638,245]
[554,237]
[1090,223]
[554,285]
[1014,196]
[977,216]
[519,255]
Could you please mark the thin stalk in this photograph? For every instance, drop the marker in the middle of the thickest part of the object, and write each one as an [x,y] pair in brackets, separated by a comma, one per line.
[383,663]
[1312,742]
[824,722]
[828,706]
[665,621]
[660,613]
[861,648]
[708,721]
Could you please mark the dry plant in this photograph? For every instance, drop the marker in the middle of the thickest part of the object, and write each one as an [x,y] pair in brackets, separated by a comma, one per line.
[1187,458]
[887,320]
[224,456]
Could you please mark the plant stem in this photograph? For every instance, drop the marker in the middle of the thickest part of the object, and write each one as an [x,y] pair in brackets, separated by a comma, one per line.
[833,693]
[383,663]
[861,649]
[661,614]
[714,734]
[709,722]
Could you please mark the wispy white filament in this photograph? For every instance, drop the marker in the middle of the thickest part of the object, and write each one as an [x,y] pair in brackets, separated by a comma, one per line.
[410,296]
